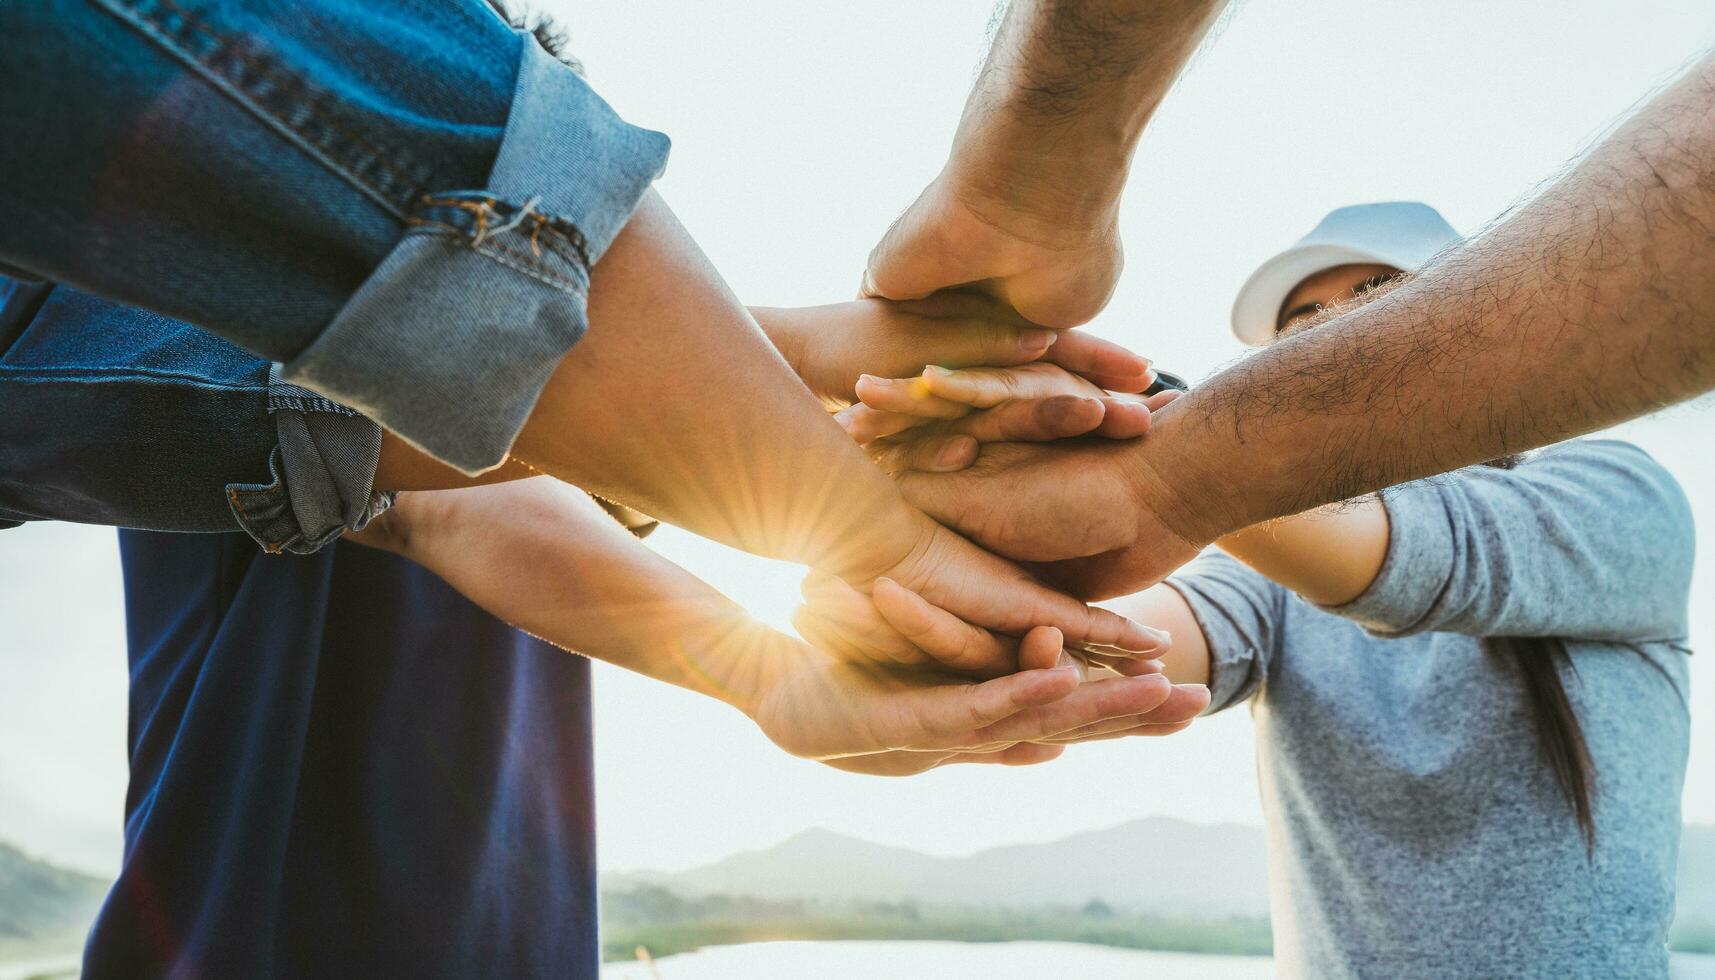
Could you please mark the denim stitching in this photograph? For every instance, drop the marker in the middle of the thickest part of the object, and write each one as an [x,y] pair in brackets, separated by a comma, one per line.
[235,497]
[287,102]
[26,375]
[504,256]
[257,80]
[483,205]
[296,403]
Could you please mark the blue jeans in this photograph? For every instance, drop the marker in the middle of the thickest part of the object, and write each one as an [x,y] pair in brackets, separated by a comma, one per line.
[114,415]
[397,200]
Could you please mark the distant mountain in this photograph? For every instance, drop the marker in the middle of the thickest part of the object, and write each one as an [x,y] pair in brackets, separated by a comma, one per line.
[1150,864]
[1155,863]
[43,909]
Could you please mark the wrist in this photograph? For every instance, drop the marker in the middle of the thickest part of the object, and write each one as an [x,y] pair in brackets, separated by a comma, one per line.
[1187,484]
[1060,200]
[742,664]
[897,538]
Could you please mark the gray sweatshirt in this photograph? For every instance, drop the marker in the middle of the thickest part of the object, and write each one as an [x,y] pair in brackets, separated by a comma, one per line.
[1413,828]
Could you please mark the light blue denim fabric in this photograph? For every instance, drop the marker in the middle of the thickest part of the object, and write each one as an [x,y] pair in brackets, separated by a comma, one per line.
[118,416]
[398,200]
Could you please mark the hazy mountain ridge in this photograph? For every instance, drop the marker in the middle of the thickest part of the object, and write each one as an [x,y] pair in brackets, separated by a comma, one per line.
[1158,862]
[1154,863]
[43,908]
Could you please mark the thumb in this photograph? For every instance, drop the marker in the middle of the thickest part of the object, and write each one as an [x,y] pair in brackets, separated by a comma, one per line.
[945,497]
[914,258]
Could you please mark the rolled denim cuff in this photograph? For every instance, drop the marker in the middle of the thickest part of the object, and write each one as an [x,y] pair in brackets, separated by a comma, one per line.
[323,474]
[452,338]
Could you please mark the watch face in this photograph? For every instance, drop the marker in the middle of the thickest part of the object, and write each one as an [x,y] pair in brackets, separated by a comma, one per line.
[1167,382]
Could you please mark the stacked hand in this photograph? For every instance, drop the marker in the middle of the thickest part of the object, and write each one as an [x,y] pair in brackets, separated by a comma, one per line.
[924,654]
[547,559]
[1082,512]
[827,345]
[902,639]
[857,715]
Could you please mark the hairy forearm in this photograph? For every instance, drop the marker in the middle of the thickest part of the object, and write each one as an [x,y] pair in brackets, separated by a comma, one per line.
[1593,303]
[1065,93]
[546,558]
[675,403]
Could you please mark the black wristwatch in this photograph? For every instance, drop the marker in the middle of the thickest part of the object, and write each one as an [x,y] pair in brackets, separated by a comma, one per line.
[1166,382]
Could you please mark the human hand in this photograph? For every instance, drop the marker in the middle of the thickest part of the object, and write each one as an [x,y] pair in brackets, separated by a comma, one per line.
[1056,267]
[863,717]
[923,417]
[1095,518]
[830,347]
[839,620]
[999,600]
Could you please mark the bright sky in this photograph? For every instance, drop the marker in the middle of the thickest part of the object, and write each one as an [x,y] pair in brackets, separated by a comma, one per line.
[799,131]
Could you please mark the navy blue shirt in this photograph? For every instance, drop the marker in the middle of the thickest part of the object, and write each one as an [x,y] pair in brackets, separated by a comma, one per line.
[342,768]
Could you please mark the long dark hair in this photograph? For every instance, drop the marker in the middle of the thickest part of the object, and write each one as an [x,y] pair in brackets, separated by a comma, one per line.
[1559,734]
[1540,659]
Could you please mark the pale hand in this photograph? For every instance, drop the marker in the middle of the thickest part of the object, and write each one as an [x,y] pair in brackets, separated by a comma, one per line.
[868,718]
[831,346]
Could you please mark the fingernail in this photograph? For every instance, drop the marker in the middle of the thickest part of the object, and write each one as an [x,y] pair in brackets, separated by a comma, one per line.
[1036,341]
[938,371]
[872,379]
[1160,638]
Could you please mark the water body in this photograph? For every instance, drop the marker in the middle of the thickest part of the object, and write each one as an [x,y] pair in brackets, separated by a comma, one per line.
[973,961]
[937,960]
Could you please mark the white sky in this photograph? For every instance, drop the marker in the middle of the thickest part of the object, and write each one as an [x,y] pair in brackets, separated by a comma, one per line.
[800,130]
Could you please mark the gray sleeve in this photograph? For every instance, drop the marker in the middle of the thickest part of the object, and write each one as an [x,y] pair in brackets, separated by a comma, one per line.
[1240,613]
[1590,539]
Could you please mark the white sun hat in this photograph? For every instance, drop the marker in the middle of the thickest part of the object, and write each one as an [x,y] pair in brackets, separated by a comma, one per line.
[1402,234]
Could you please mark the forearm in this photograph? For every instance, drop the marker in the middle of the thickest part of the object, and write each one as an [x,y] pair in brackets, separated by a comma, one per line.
[1065,94]
[1329,555]
[678,405]
[544,557]
[1187,660]
[398,201]
[1589,305]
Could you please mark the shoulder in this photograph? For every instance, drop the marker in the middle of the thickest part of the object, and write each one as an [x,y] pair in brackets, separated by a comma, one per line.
[1602,455]
[1608,467]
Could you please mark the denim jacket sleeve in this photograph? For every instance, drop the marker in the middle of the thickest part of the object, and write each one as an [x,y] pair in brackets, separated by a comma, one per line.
[114,415]
[399,201]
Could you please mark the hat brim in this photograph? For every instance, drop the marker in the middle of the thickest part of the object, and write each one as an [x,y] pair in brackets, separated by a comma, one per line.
[1256,311]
